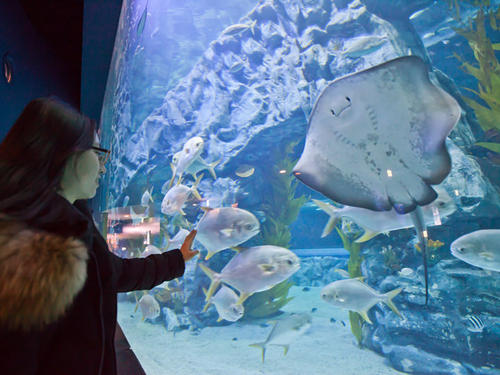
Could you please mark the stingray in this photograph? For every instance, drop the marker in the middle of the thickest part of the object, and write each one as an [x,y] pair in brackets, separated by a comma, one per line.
[376,140]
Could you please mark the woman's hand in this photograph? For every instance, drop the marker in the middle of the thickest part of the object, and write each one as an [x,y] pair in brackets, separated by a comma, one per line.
[186,251]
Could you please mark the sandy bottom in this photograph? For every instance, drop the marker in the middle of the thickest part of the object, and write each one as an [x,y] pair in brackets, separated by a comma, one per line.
[328,348]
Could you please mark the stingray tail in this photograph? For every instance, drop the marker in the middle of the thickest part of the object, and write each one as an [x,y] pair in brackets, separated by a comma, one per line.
[419,223]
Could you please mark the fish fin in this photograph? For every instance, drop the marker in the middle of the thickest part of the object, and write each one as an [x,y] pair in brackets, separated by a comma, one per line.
[227,231]
[181,211]
[214,277]
[205,291]
[220,319]
[243,297]
[285,347]
[207,305]
[364,315]
[209,255]
[179,181]
[267,268]
[388,300]
[360,278]
[332,212]
[238,248]
[143,318]
[195,185]
[486,254]
[342,272]
[211,168]
[151,195]
[171,182]
[262,346]
[206,208]
[367,235]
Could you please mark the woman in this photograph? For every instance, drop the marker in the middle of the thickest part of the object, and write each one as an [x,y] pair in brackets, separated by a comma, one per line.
[58,280]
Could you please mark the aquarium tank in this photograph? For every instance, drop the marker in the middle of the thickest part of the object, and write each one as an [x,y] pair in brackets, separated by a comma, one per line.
[340,160]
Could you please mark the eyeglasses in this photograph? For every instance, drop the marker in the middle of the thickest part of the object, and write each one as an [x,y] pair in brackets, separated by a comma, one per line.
[103,154]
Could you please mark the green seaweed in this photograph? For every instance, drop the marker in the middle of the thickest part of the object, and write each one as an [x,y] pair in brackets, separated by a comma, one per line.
[354,269]
[281,209]
[486,69]
[268,303]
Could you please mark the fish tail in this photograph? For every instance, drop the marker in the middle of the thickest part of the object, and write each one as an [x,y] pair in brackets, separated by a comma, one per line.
[211,168]
[262,346]
[195,185]
[388,300]
[215,282]
[334,214]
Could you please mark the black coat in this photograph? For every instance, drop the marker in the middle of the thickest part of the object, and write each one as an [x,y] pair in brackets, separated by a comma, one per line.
[79,340]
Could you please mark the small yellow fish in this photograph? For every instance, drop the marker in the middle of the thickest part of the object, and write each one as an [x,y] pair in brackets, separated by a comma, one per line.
[431,245]
[245,170]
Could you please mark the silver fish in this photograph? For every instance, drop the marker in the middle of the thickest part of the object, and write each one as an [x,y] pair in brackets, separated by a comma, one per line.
[376,222]
[177,196]
[363,45]
[150,250]
[177,241]
[199,165]
[225,303]
[285,331]
[147,198]
[225,227]
[191,150]
[355,295]
[480,248]
[253,270]
[150,308]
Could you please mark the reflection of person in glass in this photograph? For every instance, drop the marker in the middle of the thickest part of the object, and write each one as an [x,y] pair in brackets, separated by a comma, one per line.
[58,279]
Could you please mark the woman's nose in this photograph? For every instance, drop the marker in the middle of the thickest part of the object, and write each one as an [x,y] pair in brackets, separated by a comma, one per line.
[102,169]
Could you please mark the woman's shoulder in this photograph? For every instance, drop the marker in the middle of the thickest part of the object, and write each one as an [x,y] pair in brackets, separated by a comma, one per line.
[40,274]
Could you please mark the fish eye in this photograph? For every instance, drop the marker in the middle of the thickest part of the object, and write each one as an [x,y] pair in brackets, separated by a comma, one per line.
[348,99]
[333,112]
[441,204]
[289,261]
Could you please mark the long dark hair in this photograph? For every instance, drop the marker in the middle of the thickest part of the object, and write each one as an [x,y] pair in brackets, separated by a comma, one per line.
[34,153]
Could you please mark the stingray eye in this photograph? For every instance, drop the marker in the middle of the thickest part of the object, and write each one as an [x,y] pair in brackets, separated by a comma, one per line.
[333,112]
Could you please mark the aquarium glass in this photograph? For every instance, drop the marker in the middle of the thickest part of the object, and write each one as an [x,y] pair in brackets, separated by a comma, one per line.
[340,160]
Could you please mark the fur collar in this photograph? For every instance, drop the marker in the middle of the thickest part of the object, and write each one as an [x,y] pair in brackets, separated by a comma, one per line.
[40,274]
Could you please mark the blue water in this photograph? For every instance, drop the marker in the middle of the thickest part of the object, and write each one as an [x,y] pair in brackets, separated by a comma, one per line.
[245,76]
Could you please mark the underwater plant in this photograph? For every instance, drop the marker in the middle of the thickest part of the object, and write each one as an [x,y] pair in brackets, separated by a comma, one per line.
[354,269]
[486,70]
[281,209]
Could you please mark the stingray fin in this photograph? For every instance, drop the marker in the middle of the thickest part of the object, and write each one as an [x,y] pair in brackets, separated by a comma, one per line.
[388,300]
[367,235]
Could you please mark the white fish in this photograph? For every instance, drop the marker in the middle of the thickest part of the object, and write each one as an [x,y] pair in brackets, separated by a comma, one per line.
[363,45]
[191,150]
[474,324]
[199,165]
[285,331]
[376,222]
[177,241]
[225,303]
[225,227]
[125,201]
[405,272]
[177,196]
[239,28]
[355,295]
[480,248]
[147,198]
[253,270]
[417,13]
[150,308]
[150,250]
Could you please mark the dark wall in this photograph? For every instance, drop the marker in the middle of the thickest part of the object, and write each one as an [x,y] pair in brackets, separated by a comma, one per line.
[37,69]
[100,22]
